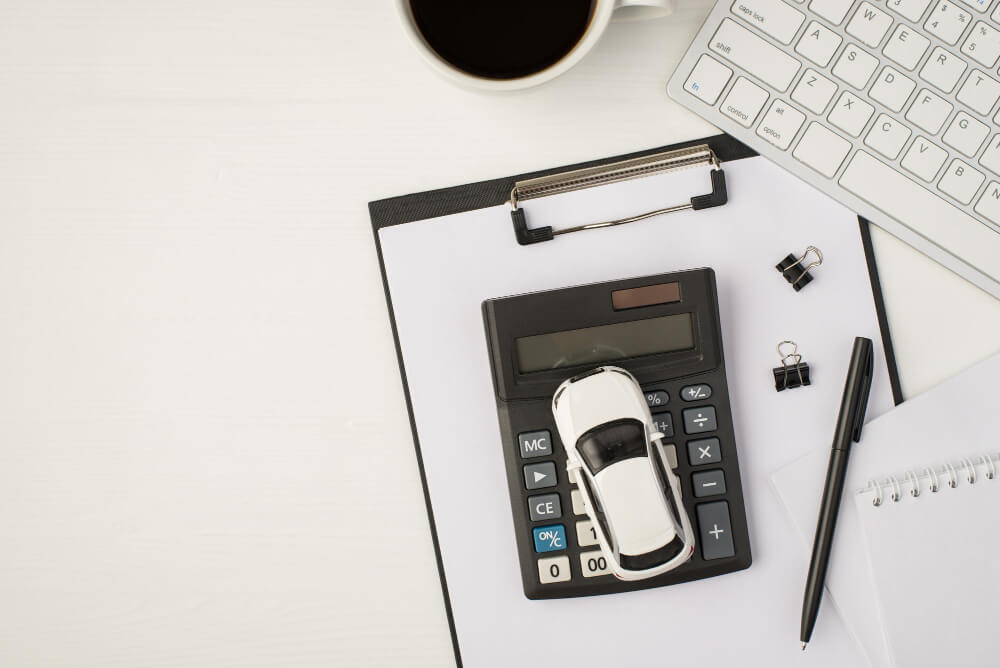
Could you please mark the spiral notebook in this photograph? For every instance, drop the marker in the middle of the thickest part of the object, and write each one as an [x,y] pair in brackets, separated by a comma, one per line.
[933,540]
[914,578]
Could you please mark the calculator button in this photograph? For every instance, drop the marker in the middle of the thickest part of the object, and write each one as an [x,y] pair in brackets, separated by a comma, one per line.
[593,564]
[704,451]
[671,452]
[540,476]
[696,392]
[715,529]
[544,507]
[585,533]
[656,398]
[698,420]
[664,423]
[577,499]
[535,443]
[549,538]
[708,483]
[553,569]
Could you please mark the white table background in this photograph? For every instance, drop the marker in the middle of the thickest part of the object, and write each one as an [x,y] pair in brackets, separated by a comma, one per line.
[205,457]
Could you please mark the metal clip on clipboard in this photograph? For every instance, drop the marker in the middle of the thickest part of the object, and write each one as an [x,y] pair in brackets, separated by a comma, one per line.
[615,172]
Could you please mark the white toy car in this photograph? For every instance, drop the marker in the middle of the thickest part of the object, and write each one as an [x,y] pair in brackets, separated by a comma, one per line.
[616,458]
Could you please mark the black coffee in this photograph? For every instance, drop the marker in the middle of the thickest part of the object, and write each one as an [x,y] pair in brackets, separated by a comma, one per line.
[502,39]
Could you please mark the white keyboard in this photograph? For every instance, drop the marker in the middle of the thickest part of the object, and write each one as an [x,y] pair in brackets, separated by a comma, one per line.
[888,106]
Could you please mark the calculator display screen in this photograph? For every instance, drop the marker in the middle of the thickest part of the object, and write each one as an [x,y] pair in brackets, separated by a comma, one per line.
[604,343]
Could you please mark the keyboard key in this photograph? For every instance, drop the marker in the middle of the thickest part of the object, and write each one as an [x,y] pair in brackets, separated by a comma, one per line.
[593,564]
[818,43]
[773,66]
[989,204]
[780,124]
[925,213]
[906,46]
[948,22]
[979,92]
[966,134]
[708,483]
[744,102]
[928,111]
[774,17]
[855,66]
[544,507]
[715,531]
[909,9]
[978,5]
[983,44]
[943,69]
[814,91]
[833,11]
[822,149]
[549,538]
[704,451]
[924,159]
[586,535]
[887,136]
[707,79]
[869,24]
[698,420]
[851,113]
[961,181]
[554,569]
[991,156]
[996,15]
[892,89]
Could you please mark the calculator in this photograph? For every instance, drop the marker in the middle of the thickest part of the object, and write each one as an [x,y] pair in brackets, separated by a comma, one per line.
[665,331]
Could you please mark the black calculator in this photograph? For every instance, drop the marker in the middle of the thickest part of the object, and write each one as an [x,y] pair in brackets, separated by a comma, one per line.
[665,331]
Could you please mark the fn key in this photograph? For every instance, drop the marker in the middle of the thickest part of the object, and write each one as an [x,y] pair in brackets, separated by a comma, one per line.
[715,530]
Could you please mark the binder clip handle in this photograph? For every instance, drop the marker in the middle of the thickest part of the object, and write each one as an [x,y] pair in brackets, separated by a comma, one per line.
[793,271]
[793,372]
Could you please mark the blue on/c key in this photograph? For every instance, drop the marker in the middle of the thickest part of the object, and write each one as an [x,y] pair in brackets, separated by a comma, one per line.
[550,538]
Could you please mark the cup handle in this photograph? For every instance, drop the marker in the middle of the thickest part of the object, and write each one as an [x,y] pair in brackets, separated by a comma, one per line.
[638,10]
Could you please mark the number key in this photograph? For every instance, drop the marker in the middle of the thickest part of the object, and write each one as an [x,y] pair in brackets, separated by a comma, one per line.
[593,564]
[983,44]
[948,22]
[586,535]
[553,569]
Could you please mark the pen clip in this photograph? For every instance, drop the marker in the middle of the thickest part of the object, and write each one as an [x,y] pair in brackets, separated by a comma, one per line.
[861,408]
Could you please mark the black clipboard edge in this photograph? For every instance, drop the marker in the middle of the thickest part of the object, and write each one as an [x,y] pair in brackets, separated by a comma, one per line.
[457,199]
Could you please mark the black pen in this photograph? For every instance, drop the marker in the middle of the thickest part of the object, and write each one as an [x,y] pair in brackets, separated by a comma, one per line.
[849,423]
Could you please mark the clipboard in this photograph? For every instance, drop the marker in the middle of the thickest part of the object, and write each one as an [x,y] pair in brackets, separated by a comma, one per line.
[534,234]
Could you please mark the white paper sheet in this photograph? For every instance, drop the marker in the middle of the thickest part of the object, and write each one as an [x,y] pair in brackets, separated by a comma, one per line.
[956,419]
[439,271]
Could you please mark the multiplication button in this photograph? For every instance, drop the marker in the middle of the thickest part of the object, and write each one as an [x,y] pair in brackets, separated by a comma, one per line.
[553,569]
[704,451]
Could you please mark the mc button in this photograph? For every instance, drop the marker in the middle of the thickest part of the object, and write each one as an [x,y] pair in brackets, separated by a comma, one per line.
[535,443]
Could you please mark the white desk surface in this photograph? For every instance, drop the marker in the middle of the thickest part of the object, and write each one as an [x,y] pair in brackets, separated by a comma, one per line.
[205,457]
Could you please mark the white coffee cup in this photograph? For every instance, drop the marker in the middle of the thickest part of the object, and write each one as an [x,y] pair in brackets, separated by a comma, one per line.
[603,12]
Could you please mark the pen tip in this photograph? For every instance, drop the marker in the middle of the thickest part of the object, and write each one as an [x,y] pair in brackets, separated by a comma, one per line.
[804,646]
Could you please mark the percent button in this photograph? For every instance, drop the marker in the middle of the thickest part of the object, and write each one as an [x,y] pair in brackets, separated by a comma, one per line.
[656,398]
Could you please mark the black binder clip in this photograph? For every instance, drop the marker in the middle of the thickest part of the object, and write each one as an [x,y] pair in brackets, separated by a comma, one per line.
[793,372]
[793,271]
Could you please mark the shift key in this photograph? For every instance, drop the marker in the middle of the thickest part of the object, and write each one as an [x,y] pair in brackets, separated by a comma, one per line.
[774,17]
[742,47]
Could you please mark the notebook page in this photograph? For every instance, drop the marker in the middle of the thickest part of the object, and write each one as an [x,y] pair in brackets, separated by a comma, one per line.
[440,270]
[956,417]
[933,565]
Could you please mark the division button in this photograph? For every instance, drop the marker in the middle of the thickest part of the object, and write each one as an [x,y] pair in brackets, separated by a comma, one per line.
[696,392]
[664,423]
[708,483]
[544,507]
[704,451]
[540,476]
[535,443]
[715,530]
[549,538]
[698,420]
[553,569]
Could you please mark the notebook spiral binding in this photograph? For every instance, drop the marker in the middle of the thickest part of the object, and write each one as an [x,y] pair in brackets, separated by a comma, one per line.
[949,474]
